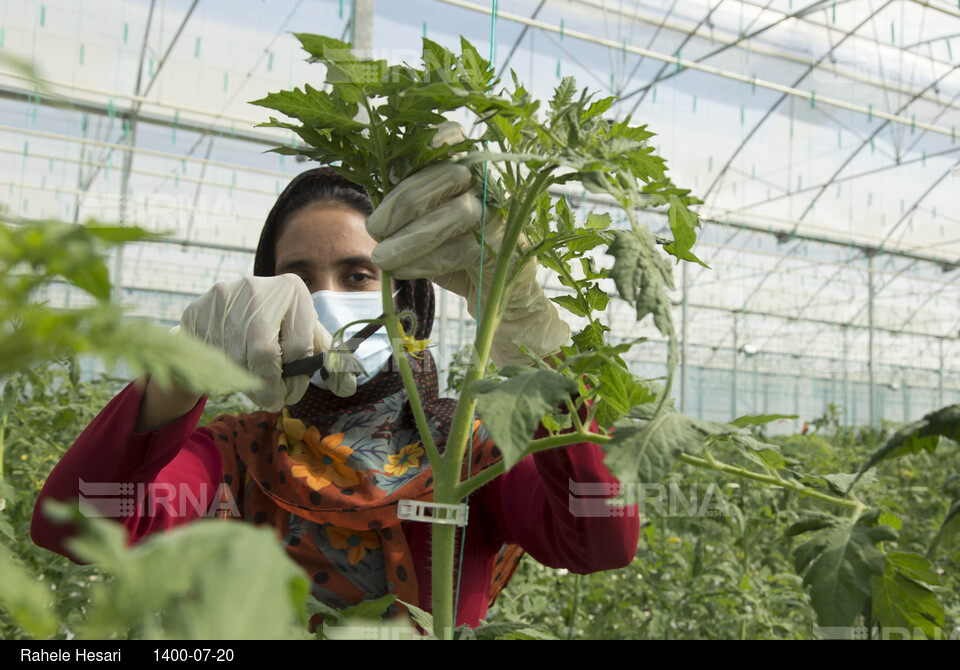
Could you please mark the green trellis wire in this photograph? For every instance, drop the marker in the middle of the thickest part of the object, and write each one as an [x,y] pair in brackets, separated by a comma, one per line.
[483,225]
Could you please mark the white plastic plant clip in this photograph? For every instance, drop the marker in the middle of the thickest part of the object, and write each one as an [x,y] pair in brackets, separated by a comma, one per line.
[430,512]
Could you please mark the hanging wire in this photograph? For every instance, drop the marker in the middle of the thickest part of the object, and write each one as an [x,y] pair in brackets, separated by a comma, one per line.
[483,225]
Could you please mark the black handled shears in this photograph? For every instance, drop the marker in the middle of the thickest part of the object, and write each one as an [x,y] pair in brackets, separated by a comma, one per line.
[309,366]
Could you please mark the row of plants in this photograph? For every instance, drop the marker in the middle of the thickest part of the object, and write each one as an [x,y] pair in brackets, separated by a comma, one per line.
[732,576]
[723,576]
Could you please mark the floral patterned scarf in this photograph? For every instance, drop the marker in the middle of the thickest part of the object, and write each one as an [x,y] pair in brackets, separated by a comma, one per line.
[328,473]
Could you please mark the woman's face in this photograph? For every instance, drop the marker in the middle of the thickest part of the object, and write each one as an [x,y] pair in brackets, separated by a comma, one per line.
[328,247]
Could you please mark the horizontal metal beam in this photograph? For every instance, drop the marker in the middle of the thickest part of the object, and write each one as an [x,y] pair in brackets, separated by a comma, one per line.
[232,248]
[147,152]
[822,322]
[745,44]
[581,196]
[706,69]
[135,99]
[147,173]
[100,109]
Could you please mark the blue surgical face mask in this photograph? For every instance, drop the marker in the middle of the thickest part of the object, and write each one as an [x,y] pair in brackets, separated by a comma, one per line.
[336,309]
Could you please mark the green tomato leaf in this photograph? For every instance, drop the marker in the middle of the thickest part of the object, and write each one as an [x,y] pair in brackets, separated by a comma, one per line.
[28,601]
[370,609]
[839,563]
[948,529]
[504,630]
[474,69]
[331,615]
[919,435]
[572,304]
[319,46]
[759,452]
[121,234]
[563,95]
[842,483]
[423,618]
[898,600]
[566,220]
[591,337]
[511,410]
[645,451]
[221,569]
[684,224]
[810,521]
[686,256]
[597,221]
[915,567]
[891,520]
[316,109]
[642,278]
[760,419]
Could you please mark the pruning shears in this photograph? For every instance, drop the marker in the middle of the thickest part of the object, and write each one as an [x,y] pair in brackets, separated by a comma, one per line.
[308,366]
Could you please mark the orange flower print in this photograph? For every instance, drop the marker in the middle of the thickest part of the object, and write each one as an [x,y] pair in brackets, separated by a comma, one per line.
[291,431]
[408,457]
[356,541]
[321,462]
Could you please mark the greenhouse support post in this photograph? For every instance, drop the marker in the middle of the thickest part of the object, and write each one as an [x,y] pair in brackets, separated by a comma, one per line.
[361,26]
[906,397]
[736,354]
[940,401]
[796,389]
[130,131]
[766,394]
[870,365]
[683,344]
[846,375]
[700,394]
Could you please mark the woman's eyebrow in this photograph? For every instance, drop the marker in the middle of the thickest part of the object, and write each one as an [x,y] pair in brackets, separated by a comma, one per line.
[353,260]
[294,264]
[306,264]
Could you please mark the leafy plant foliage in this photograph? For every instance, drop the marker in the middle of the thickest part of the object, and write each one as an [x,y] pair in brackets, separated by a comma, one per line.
[375,122]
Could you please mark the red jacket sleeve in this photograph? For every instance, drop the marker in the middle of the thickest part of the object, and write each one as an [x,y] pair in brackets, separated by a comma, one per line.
[554,505]
[148,481]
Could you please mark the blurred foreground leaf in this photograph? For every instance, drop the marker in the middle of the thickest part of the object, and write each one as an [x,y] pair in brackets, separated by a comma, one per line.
[207,580]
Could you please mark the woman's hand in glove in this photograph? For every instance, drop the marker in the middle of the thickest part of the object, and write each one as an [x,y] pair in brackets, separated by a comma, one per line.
[261,323]
[428,226]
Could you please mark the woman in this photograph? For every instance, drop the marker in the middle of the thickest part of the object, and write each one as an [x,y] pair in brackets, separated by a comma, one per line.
[326,466]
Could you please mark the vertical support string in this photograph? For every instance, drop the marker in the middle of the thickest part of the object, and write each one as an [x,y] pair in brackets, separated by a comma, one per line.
[483,225]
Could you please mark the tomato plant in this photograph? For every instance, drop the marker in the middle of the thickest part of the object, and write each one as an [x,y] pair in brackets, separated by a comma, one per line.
[376,122]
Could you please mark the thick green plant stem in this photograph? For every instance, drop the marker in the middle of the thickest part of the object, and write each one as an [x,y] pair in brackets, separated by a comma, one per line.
[573,609]
[447,476]
[409,384]
[3,430]
[441,565]
[706,462]
[712,464]
[463,418]
[543,444]
[447,468]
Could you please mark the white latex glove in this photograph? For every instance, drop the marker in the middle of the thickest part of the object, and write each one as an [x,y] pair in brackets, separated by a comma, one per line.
[428,227]
[261,323]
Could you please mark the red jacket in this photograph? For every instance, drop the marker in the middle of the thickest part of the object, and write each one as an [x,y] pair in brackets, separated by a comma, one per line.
[531,505]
